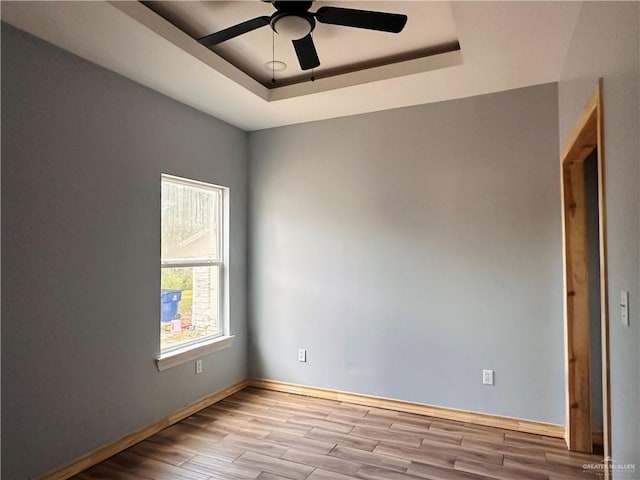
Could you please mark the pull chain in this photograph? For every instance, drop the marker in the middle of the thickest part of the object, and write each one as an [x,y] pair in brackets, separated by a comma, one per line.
[273,56]
[313,70]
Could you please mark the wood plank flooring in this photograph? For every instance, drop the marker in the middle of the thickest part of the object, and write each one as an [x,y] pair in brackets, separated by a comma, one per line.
[264,435]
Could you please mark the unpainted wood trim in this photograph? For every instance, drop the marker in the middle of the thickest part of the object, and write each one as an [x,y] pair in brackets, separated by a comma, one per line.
[565,289]
[586,135]
[583,137]
[102,453]
[604,282]
[577,307]
[508,423]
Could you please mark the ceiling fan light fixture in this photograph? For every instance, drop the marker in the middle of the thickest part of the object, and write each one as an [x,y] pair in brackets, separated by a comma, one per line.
[292,27]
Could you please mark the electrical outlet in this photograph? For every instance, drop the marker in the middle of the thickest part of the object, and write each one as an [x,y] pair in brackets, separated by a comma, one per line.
[487,377]
[302,355]
[198,367]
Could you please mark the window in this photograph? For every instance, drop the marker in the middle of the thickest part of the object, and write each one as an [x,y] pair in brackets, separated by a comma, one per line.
[192,263]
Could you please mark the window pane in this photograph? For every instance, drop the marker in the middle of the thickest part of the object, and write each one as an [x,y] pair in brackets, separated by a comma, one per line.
[189,307]
[190,222]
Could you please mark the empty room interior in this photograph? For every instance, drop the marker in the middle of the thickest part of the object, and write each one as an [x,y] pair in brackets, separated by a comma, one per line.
[391,240]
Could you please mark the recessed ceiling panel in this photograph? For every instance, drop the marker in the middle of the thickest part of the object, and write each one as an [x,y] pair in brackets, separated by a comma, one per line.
[430,30]
[505,45]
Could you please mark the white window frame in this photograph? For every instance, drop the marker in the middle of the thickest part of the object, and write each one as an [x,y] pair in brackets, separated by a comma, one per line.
[199,347]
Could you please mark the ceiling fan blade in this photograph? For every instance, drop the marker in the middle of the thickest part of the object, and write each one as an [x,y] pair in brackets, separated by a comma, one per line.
[348,17]
[306,52]
[236,30]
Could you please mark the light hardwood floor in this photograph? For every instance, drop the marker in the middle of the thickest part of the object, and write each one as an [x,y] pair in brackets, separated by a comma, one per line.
[266,435]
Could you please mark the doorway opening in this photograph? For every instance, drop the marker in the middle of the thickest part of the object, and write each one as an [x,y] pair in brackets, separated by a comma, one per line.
[585,274]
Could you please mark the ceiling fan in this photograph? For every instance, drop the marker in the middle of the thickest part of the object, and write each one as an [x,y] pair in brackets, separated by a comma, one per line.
[293,20]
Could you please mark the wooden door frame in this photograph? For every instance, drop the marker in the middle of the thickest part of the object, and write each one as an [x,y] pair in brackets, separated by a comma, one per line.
[586,136]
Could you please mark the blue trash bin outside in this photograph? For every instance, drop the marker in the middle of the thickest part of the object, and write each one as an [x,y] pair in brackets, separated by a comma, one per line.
[169,300]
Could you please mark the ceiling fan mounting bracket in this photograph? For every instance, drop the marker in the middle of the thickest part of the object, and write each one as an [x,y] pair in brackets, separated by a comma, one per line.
[292,6]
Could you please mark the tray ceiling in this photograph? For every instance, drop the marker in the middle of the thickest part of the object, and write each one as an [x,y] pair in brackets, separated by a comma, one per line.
[505,45]
[430,30]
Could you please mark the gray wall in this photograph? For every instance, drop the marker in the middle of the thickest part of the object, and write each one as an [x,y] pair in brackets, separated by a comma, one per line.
[82,154]
[606,45]
[409,249]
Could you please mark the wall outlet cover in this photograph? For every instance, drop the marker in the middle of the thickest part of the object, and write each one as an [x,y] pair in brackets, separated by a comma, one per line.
[624,307]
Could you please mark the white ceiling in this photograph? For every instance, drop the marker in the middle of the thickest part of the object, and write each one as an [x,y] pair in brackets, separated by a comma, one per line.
[504,45]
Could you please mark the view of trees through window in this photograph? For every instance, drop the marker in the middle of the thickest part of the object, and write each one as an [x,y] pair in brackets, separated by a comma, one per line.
[191,262]
[189,222]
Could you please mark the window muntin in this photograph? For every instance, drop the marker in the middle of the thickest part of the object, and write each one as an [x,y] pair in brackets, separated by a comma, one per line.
[191,263]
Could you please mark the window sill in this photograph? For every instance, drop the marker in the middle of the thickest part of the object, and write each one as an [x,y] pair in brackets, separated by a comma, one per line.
[192,352]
